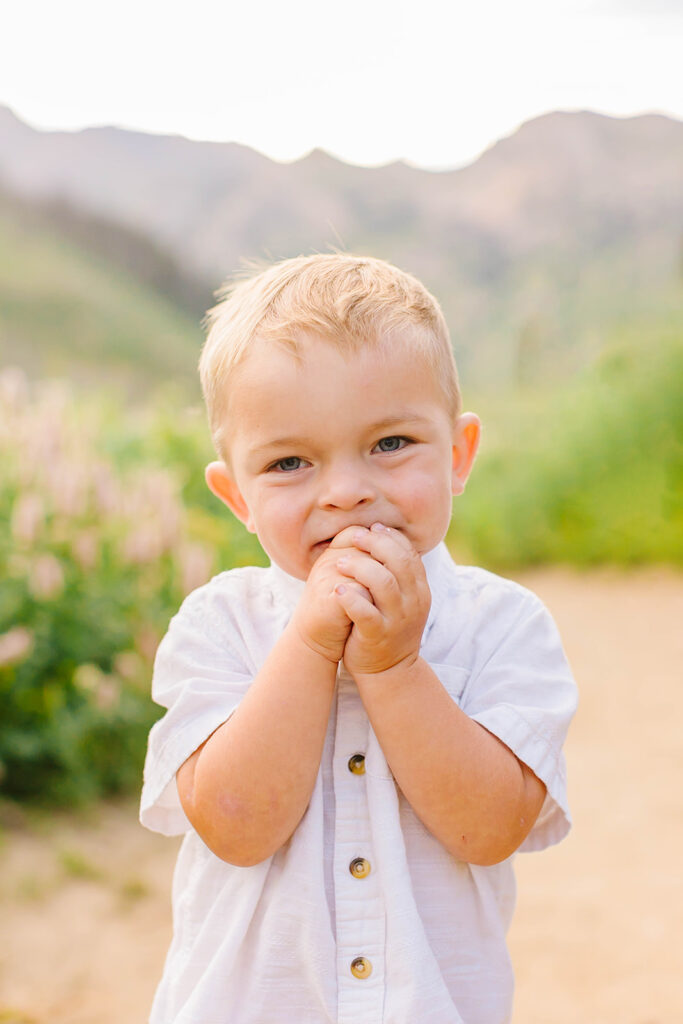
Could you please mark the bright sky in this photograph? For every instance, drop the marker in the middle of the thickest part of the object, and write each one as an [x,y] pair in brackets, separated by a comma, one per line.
[431,81]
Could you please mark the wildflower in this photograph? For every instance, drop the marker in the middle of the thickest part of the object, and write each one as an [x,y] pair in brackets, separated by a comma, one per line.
[196,563]
[104,690]
[46,579]
[129,665]
[106,490]
[15,645]
[85,548]
[69,486]
[142,545]
[28,518]
[107,693]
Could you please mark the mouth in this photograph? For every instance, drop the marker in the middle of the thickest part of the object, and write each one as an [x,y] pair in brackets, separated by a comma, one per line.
[321,545]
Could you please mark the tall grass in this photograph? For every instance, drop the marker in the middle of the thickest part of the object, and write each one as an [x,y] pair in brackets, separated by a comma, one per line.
[588,474]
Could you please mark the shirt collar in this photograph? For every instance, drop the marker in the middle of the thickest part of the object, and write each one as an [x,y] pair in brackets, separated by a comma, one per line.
[437,563]
[287,588]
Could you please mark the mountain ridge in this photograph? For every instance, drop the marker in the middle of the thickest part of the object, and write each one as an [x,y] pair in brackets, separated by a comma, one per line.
[568,222]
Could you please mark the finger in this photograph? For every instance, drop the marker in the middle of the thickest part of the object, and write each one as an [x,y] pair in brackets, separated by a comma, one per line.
[345,538]
[374,576]
[360,589]
[328,574]
[327,560]
[361,612]
[389,538]
[396,535]
[357,536]
[393,550]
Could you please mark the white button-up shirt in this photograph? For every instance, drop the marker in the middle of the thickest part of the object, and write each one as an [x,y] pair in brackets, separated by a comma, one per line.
[362,917]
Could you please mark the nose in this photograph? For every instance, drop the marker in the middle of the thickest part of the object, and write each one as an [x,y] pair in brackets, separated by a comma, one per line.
[345,486]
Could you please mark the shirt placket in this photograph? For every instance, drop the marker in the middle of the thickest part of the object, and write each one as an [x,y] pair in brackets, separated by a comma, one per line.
[359,906]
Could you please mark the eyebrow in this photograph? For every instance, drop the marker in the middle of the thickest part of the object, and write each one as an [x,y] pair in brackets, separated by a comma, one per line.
[403,417]
[281,442]
[406,417]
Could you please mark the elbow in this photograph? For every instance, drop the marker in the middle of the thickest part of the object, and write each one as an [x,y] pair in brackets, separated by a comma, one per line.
[489,858]
[232,842]
[508,829]
[238,858]
[487,850]
[232,834]
[223,824]
[484,855]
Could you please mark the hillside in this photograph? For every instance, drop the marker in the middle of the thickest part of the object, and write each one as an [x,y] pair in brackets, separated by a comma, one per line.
[536,250]
[92,309]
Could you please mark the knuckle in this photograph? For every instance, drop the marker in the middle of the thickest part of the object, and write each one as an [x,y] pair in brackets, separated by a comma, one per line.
[391,582]
[405,556]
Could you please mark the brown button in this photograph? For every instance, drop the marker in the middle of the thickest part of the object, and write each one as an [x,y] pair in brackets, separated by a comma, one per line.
[361,968]
[357,764]
[360,867]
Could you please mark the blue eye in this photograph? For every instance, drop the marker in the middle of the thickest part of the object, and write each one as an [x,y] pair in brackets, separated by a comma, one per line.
[391,444]
[289,464]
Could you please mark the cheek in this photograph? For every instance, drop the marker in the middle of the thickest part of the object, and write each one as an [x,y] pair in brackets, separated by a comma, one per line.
[278,514]
[428,501]
[428,489]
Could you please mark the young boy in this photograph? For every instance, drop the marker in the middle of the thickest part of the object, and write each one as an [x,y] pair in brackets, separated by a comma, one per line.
[359,737]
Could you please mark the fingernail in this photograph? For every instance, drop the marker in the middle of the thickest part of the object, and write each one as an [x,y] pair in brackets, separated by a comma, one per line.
[340,589]
[377,527]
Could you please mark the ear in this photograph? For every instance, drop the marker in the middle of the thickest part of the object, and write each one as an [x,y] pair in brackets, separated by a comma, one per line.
[224,487]
[465,444]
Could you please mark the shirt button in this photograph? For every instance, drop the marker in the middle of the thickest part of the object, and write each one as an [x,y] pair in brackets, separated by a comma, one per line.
[361,968]
[357,764]
[359,867]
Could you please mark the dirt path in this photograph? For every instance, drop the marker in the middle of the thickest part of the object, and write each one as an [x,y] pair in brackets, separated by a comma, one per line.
[597,934]
[84,920]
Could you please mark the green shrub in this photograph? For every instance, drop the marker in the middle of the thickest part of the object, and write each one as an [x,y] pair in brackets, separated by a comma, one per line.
[591,474]
[98,546]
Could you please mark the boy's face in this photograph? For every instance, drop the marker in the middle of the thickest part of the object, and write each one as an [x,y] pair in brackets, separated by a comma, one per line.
[328,441]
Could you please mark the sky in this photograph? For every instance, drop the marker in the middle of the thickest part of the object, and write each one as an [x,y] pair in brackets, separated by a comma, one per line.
[433,82]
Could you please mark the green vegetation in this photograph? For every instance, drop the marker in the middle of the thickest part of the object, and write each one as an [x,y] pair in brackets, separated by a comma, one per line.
[103,528]
[587,474]
[65,310]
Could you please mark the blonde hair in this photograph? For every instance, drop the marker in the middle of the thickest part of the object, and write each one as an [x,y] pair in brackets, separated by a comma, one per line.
[349,301]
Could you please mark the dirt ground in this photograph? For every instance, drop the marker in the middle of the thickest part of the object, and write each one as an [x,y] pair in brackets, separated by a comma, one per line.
[84,901]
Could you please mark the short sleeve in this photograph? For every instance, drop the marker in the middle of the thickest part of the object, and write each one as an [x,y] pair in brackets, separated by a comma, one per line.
[524,694]
[200,677]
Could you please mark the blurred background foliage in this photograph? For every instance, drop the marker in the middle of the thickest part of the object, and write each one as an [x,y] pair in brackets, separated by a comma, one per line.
[572,355]
[586,473]
[105,525]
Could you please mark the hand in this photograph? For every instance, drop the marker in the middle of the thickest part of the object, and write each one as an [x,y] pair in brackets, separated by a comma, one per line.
[320,618]
[387,630]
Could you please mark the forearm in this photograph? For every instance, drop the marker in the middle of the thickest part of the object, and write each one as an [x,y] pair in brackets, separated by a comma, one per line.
[246,789]
[466,786]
